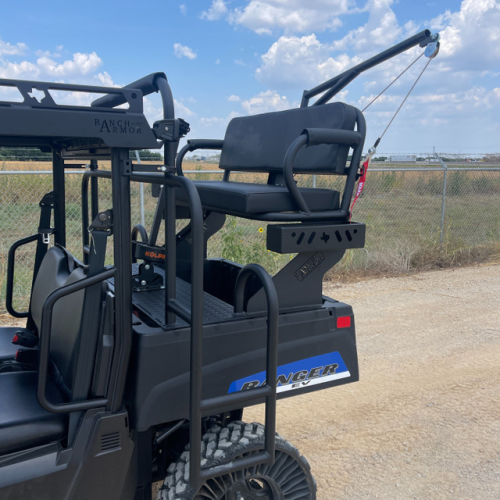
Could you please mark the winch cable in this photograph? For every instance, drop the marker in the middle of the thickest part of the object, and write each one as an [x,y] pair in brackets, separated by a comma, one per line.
[393,81]
[373,149]
[377,142]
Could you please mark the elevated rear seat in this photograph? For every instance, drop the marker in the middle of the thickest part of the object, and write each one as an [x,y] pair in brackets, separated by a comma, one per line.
[273,143]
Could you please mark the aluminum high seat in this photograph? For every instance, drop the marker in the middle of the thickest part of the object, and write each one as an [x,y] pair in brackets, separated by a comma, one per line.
[313,140]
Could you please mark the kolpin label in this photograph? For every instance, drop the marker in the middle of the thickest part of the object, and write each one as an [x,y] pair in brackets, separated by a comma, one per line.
[116,126]
[306,269]
[299,374]
[154,255]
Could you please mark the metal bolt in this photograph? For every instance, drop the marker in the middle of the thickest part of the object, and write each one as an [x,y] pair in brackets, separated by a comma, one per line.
[143,282]
[103,217]
[147,267]
[166,128]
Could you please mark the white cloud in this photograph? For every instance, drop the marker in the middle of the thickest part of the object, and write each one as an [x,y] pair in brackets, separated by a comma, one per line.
[215,12]
[303,62]
[234,98]
[153,109]
[105,79]
[183,9]
[211,121]
[298,62]
[217,61]
[47,53]
[291,16]
[265,102]
[8,49]
[212,127]
[184,51]
[239,62]
[81,64]
[459,48]
[24,70]
[380,31]
[182,111]
[449,121]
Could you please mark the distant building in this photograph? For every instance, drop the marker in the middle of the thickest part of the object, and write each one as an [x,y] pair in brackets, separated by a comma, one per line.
[403,158]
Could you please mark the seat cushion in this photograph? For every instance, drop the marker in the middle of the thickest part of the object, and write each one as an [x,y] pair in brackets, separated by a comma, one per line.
[7,348]
[23,422]
[245,198]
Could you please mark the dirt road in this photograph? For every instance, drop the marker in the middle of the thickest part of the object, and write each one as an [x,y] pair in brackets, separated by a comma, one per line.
[424,420]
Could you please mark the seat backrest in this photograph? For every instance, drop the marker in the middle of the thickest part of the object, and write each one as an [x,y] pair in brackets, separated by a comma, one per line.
[54,270]
[65,331]
[259,143]
[58,269]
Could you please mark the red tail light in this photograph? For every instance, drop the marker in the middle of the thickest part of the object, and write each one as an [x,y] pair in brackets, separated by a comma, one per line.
[344,322]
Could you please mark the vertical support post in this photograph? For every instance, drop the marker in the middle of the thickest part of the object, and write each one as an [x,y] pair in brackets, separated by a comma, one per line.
[120,177]
[196,352]
[141,189]
[60,197]
[443,202]
[170,250]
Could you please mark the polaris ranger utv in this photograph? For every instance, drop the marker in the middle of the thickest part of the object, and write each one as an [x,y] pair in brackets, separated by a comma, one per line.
[138,372]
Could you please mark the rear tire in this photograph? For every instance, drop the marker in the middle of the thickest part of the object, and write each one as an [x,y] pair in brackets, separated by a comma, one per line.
[288,479]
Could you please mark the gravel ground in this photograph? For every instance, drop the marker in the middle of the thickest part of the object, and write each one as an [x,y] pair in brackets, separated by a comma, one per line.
[424,420]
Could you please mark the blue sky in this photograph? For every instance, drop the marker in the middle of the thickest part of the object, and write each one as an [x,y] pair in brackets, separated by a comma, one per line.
[229,58]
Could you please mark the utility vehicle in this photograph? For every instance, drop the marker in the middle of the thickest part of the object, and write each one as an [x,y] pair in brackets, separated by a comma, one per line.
[138,371]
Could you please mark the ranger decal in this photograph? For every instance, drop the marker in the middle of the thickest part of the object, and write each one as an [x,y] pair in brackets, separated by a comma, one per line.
[299,374]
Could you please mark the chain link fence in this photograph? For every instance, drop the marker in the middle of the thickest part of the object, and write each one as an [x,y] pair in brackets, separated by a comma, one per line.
[417,216]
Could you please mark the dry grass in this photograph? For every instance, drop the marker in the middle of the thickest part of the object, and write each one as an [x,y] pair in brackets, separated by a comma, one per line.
[401,210]
[408,258]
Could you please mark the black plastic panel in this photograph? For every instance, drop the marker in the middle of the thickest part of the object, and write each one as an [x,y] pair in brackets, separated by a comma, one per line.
[231,351]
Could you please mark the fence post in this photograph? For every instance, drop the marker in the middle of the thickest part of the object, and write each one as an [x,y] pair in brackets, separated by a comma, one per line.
[443,203]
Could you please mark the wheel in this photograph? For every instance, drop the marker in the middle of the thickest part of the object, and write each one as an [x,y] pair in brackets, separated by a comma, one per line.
[288,479]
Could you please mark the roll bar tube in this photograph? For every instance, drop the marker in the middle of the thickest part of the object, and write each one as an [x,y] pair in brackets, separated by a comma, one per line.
[44,355]
[147,85]
[316,136]
[11,262]
[242,398]
[155,82]
[194,144]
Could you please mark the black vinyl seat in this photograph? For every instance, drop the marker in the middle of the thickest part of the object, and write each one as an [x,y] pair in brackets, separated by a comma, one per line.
[253,199]
[54,270]
[23,422]
[273,143]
